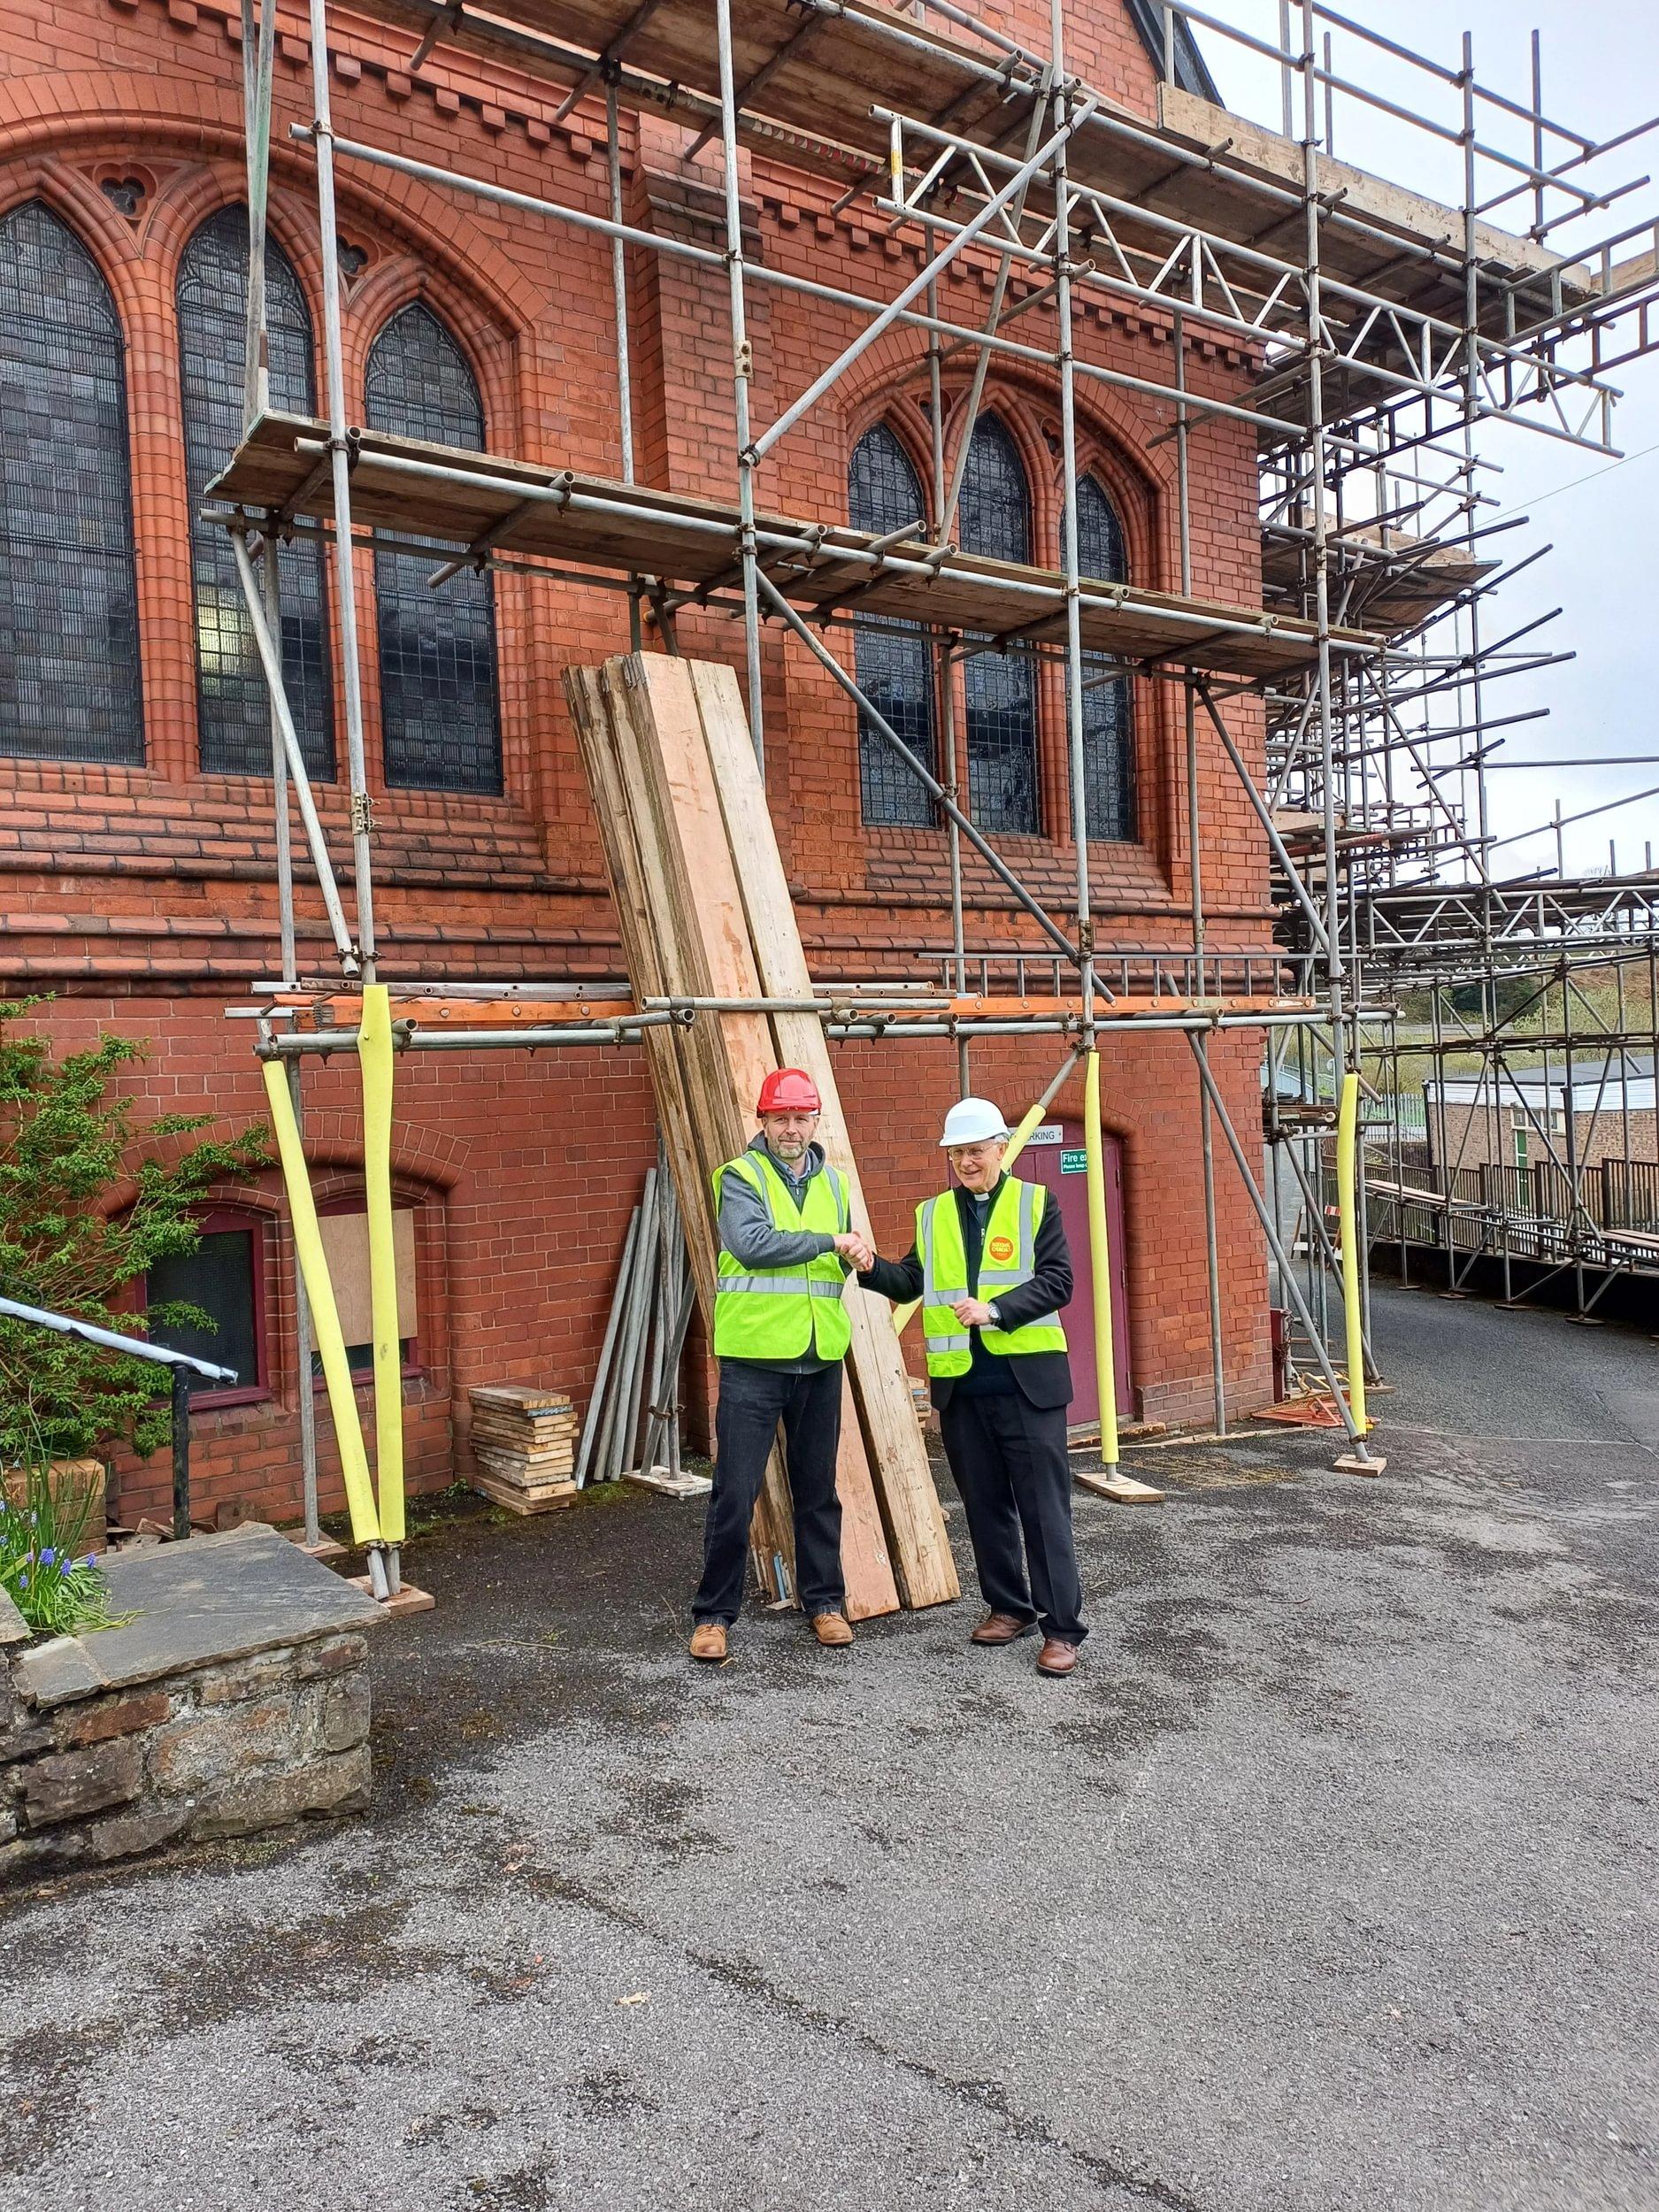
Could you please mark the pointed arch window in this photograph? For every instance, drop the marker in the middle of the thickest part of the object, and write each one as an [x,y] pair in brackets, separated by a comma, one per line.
[233,705]
[1109,752]
[440,714]
[995,518]
[892,660]
[70,686]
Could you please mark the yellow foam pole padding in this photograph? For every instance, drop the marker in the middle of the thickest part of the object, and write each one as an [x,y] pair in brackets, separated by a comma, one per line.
[375,1059]
[331,1345]
[1346,1127]
[1100,1263]
[1022,1136]
[904,1315]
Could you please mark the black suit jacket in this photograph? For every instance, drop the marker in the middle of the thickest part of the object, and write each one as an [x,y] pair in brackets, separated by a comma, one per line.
[1044,1378]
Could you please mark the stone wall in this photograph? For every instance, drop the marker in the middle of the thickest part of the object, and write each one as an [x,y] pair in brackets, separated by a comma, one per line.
[232,1695]
[223,1751]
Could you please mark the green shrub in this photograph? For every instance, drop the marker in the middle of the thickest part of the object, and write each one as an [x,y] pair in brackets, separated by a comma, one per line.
[67,1142]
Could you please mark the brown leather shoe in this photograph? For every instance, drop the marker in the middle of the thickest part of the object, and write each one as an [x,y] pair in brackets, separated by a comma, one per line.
[831,1628]
[707,1641]
[1001,1628]
[1057,1657]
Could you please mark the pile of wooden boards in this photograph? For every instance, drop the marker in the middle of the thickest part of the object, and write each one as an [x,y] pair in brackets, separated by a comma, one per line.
[704,912]
[633,1413]
[523,1444]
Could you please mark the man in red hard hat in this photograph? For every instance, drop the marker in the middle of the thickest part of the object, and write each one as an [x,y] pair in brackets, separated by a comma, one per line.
[780,1334]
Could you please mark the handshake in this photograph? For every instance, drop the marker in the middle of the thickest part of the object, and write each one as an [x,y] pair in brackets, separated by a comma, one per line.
[857,1251]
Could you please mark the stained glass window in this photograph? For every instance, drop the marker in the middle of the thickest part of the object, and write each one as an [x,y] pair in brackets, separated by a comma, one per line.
[994,517]
[69,673]
[233,705]
[892,660]
[439,710]
[1109,752]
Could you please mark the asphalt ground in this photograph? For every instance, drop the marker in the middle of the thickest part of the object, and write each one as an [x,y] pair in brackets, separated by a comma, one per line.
[1327,1882]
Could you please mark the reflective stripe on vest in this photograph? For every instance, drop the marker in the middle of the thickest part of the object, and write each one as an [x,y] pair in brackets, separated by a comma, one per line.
[785,1311]
[1009,1258]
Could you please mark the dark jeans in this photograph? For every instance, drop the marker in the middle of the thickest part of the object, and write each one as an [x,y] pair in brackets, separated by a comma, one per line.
[1009,1461]
[753,1401]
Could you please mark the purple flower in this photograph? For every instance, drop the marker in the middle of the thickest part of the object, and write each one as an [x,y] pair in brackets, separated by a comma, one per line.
[49,1558]
[23,1582]
[92,1559]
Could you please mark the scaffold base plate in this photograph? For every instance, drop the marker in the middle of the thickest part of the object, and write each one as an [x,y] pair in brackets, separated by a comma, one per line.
[1351,1464]
[409,1599]
[326,1549]
[1121,1489]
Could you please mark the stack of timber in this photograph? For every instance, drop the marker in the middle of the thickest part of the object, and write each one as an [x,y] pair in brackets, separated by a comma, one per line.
[634,1414]
[524,1443]
[704,912]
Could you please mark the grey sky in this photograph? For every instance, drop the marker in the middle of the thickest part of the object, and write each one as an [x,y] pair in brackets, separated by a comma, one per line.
[1601,76]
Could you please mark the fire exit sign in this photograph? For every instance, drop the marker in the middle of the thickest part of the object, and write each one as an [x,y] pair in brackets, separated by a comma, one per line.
[1074,1162]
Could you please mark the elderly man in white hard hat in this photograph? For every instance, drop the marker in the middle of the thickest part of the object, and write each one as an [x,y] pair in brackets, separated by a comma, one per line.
[991,1268]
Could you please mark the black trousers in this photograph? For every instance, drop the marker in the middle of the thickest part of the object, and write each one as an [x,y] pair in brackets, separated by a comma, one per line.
[1009,1461]
[753,1401]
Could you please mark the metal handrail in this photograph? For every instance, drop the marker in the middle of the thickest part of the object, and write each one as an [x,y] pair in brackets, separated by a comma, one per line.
[160,1356]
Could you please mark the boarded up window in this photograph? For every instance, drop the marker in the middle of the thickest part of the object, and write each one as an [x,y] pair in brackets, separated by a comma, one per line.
[346,1246]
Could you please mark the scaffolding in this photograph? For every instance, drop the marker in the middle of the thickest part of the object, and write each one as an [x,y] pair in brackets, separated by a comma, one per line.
[1384,332]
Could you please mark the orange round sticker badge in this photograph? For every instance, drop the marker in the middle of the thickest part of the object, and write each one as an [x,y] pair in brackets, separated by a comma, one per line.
[1002,1248]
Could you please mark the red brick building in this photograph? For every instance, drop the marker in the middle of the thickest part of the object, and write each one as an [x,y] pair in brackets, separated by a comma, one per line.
[137,875]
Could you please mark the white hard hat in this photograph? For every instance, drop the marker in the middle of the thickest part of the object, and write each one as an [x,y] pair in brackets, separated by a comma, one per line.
[971,1121]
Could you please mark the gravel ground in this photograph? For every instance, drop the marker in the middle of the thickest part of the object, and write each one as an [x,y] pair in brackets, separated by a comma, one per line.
[1328,1881]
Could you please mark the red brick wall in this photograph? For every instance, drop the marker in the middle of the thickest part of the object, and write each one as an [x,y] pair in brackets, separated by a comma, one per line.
[146,899]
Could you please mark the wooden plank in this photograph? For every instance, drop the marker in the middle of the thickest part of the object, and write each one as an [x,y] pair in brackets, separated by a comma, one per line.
[654,961]
[523,1502]
[916,1525]
[707,1074]
[705,888]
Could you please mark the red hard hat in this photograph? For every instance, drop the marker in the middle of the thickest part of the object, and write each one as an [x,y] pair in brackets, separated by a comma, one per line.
[789,1090]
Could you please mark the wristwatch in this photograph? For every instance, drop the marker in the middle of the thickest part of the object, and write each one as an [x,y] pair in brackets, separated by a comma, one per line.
[996,1318]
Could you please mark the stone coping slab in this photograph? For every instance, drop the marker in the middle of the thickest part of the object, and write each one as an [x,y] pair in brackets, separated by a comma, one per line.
[196,1604]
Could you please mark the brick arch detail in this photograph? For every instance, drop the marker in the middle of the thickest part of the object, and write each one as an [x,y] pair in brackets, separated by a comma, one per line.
[888,385]
[405,282]
[333,1145]
[106,114]
[1110,444]
[903,413]
[75,200]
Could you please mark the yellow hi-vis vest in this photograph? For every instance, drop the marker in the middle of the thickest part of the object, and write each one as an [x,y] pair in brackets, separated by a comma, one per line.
[777,1315]
[1009,1258]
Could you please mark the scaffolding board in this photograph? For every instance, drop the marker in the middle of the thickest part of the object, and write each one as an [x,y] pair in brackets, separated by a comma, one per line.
[480,500]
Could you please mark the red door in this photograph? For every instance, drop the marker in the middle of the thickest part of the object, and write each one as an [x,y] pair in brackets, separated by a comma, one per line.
[1054,1157]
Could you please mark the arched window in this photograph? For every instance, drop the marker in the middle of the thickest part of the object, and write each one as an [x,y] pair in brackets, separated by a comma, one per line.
[438,707]
[1108,751]
[69,674]
[233,706]
[892,660]
[995,518]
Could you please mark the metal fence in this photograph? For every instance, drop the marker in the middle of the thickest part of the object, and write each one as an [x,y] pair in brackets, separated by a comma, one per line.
[1525,1213]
